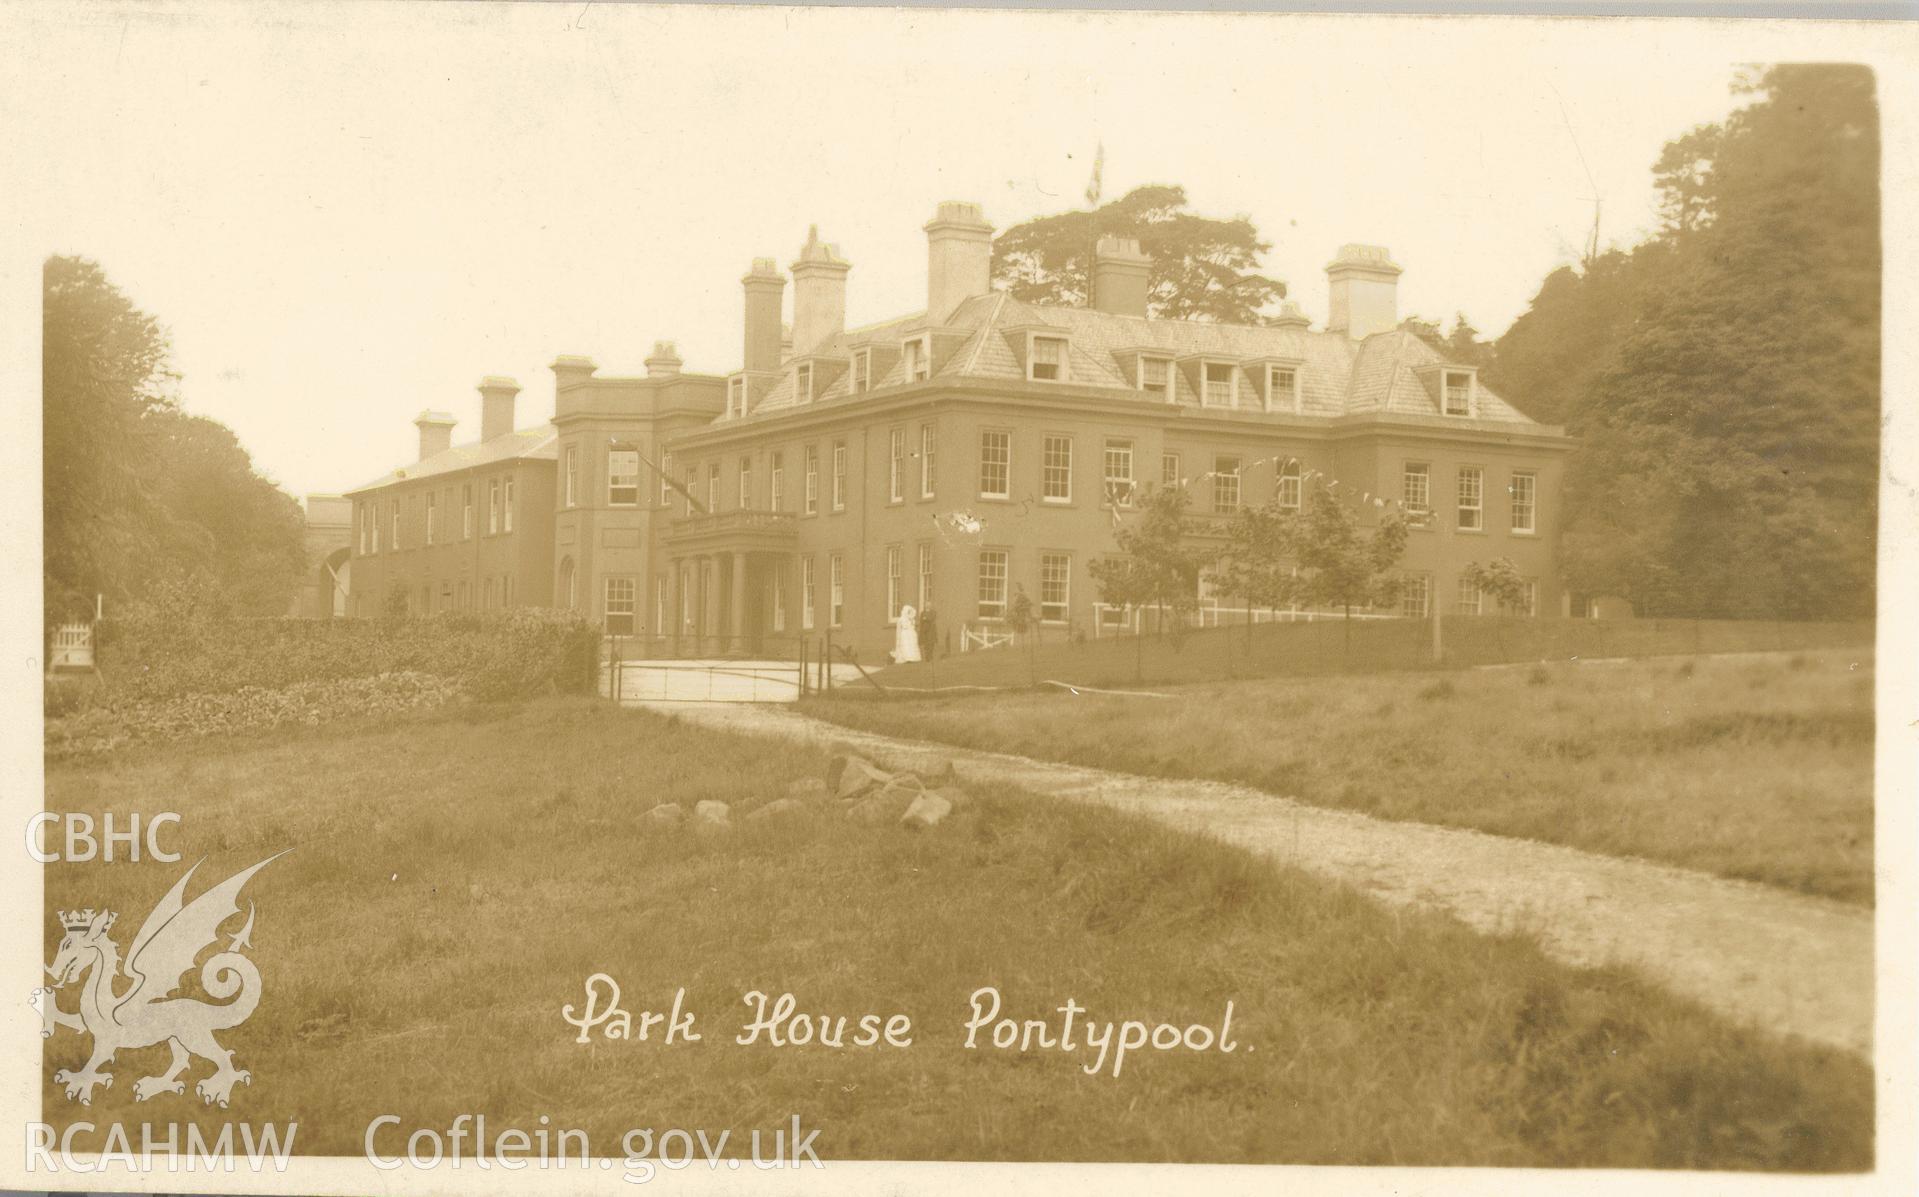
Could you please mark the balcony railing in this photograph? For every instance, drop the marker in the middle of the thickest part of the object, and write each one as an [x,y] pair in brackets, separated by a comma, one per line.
[768,527]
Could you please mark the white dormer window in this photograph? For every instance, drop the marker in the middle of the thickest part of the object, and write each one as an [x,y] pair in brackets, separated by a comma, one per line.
[803,383]
[862,370]
[1156,376]
[1458,391]
[919,360]
[1222,384]
[1282,388]
[736,396]
[1046,361]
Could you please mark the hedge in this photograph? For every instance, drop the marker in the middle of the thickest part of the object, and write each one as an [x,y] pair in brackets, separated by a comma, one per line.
[250,708]
[495,655]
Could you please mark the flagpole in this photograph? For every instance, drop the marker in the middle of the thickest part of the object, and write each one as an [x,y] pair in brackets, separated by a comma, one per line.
[1092,224]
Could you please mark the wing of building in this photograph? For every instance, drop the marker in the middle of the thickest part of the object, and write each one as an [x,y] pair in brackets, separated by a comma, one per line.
[949,459]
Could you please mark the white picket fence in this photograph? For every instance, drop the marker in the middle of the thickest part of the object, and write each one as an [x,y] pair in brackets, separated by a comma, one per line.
[72,647]
[1109,620]
[983,636]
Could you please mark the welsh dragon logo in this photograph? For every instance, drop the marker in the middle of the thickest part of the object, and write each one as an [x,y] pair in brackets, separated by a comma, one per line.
[145,1013]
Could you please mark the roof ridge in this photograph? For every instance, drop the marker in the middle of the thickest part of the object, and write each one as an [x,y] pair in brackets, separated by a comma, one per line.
[879,324]
[467,456]
[986,326]
[1392,375]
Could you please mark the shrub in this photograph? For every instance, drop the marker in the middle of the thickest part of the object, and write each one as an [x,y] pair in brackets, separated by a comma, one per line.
[1443,688]
[493,655]
[64,695]
[250,708]
[1540,676]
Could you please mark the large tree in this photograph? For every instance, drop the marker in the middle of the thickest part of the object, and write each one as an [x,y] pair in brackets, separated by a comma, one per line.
[1204,268]
[135,493]
[1724,376]
[103,383]
[223,521]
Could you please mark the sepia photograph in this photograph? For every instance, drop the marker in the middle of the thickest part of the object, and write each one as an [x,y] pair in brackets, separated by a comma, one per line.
[816,599]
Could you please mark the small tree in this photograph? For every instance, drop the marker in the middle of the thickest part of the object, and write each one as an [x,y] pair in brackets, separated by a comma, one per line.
[1499,580]
[1154,566]
[1257,569]
[1019,617]
[394,605]
[1122,583]
[1163,570]
[1340,563]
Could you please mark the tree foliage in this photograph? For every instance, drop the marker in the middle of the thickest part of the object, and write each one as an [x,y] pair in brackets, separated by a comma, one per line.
[1257,566]
[1154,567]
[1342,562]
[1724,376]
[1500,581]
[1204,268]
[143,503]
[1023,618]
[103,384]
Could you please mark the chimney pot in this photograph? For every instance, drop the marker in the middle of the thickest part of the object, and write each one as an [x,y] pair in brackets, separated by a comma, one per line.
[496,405]
[436,432]
[664,361]
[819,293]
[959,257]
[1362,290]
[1291,316]
[1122,276]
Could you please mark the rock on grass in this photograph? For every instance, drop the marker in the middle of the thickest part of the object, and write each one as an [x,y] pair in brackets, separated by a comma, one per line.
[925,811]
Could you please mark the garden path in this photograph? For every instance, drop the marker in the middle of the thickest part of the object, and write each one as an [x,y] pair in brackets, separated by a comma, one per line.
[1791,963]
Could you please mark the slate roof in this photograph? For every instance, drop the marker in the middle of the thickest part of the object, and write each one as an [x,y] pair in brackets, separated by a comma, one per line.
[535,444]
[1338,375]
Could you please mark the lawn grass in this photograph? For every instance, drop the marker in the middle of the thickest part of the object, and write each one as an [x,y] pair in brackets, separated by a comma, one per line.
[455,878]
[1758,768]
[1361,646]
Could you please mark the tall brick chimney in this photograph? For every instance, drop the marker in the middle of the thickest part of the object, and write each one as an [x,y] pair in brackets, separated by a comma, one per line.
[496,405]
[765,290]
[959,257]
[1121,273]
[1362,286]
[436,432]
[819,293]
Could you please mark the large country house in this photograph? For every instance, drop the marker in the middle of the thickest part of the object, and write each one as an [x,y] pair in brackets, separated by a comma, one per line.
[948,458]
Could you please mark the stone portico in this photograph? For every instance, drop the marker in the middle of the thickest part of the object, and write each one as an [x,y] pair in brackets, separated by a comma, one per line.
[729,575]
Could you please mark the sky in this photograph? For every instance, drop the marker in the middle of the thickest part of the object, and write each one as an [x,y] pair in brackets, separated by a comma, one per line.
[347,214]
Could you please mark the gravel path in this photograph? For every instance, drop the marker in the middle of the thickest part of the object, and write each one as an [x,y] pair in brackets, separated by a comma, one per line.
[1790,963]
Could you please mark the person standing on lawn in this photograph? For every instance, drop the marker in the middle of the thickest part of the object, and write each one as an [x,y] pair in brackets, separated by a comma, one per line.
[929,634]
[906,637]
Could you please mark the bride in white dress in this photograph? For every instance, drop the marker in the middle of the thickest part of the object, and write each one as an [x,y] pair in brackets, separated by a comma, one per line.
[906,637]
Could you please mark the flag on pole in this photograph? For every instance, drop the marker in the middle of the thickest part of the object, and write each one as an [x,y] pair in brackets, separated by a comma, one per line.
[1099,166]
